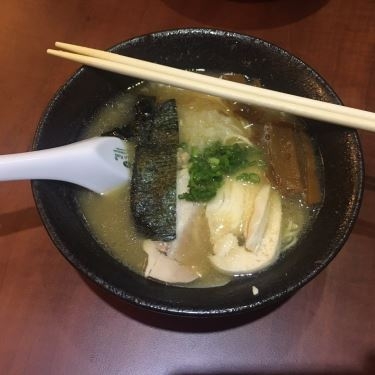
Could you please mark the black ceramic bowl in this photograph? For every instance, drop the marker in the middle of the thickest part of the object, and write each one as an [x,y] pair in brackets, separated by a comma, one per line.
[76,102]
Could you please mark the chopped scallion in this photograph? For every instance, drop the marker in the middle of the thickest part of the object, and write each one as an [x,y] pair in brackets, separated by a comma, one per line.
[209,167]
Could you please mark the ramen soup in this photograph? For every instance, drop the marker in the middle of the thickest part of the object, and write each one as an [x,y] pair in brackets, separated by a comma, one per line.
[219,189]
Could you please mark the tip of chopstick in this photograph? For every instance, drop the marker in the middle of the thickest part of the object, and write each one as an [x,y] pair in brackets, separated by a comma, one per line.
[60,44]
[55,52]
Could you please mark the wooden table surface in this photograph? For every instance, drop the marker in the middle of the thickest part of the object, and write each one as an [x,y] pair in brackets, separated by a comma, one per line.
[52,321]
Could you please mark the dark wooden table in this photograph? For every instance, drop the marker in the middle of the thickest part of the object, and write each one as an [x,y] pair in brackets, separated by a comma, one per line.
[52,321]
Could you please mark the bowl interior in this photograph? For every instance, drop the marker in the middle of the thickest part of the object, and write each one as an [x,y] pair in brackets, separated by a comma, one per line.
[89,89]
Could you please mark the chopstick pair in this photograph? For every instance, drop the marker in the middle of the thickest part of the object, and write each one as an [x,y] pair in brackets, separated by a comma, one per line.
[296,105]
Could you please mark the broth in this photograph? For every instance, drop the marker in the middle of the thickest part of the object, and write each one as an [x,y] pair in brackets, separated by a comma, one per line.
[109,217]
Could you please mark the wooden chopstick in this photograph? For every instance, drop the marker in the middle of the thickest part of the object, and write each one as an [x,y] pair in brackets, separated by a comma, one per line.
[300,106]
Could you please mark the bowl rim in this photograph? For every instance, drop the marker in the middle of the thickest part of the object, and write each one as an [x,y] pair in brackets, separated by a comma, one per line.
[168,308]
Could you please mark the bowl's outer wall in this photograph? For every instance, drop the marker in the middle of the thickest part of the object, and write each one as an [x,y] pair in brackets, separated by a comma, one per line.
[75,105]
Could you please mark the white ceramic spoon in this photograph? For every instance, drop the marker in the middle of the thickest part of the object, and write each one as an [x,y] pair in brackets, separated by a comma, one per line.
[96,164]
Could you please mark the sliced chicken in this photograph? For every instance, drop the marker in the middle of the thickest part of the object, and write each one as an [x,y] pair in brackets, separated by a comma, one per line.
[257,224]
[245,225]
[164,268]
[226,212]
[164,258]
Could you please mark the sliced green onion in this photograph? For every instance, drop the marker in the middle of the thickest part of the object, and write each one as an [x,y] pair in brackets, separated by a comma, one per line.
[209,167]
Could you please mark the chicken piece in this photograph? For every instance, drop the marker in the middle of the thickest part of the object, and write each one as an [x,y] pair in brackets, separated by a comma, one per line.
[164,258]
[225,213]
[257,224]
[161,267]
[245,223]
[236,259]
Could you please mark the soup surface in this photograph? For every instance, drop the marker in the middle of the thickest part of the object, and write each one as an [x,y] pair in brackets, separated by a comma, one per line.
[204,120]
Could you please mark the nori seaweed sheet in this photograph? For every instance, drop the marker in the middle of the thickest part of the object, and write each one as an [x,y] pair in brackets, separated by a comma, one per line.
[153,185]
[140,123]
[153,192]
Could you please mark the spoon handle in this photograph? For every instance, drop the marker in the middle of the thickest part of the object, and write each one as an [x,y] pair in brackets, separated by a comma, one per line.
[96,163]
